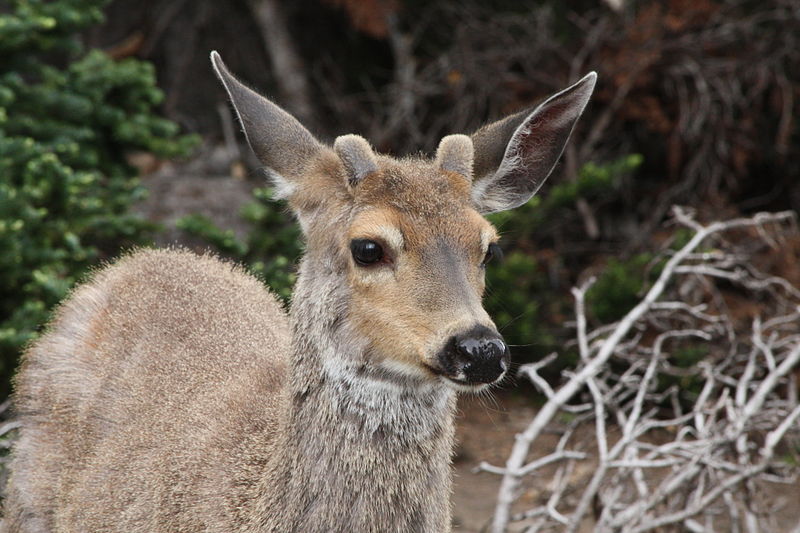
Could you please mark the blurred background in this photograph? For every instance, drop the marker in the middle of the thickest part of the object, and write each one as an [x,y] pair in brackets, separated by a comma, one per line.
[114,133]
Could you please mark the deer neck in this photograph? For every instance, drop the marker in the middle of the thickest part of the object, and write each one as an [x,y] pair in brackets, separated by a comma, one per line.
[362,450]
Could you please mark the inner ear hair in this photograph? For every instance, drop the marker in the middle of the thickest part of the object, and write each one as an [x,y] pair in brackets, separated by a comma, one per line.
[357,157]
[456,154]
[281,143]
[530,144]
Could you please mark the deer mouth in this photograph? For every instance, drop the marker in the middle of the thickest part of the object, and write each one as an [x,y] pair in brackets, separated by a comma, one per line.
[461,382]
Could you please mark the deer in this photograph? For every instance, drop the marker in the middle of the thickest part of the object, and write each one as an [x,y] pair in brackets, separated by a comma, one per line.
[172,392]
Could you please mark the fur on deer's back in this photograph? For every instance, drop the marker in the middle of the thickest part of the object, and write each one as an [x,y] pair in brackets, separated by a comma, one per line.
[143,400]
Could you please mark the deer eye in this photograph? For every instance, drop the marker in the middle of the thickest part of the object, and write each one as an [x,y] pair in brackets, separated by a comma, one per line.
[493,251]
[366,252]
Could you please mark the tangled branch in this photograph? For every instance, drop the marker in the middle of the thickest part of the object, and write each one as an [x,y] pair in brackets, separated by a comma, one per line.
[674,444]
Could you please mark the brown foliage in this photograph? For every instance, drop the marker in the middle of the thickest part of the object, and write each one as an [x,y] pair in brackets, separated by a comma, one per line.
[368,16]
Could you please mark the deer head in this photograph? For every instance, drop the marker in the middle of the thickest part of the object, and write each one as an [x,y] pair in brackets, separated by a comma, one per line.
[406,238]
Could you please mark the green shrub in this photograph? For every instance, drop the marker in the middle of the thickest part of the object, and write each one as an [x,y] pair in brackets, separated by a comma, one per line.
[67,120]
[593,180]
[519,296]
[618,289]
[516,296]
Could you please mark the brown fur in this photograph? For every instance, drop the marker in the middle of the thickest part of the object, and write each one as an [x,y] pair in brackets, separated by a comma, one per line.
[456,154]
[172,393]
[160,347]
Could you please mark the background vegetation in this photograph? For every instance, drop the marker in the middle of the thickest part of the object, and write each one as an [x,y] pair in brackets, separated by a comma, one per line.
[67,118]
[696,104]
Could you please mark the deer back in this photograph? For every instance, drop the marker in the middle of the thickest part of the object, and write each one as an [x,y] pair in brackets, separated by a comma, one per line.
[146,389]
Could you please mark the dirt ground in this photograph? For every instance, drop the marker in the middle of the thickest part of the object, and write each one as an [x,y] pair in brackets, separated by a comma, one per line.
[485,432]
[177,192]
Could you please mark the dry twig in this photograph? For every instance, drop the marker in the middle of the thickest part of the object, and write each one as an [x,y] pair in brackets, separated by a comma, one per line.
[721,434]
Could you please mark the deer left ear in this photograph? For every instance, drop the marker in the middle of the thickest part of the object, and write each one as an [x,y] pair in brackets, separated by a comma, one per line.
[515,155]
[277,138]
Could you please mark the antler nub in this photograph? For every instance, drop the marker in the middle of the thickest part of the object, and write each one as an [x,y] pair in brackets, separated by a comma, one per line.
[357,156]
[456,154]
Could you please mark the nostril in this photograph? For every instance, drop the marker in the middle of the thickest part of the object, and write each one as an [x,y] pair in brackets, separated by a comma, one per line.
[470,347]
[495,347]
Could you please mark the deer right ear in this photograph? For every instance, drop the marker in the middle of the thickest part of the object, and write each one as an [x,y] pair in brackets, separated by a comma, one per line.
[277,138]
[514,156]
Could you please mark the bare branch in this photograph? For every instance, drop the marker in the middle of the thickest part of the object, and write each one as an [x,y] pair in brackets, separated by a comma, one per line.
[715,447]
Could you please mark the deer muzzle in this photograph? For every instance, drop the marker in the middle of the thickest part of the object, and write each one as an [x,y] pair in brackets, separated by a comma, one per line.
[474,357]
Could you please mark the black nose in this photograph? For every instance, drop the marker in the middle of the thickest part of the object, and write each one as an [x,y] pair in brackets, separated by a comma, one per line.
[478,355]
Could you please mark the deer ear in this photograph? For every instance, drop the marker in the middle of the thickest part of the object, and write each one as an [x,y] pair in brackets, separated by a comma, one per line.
[277,138]
[514,156]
